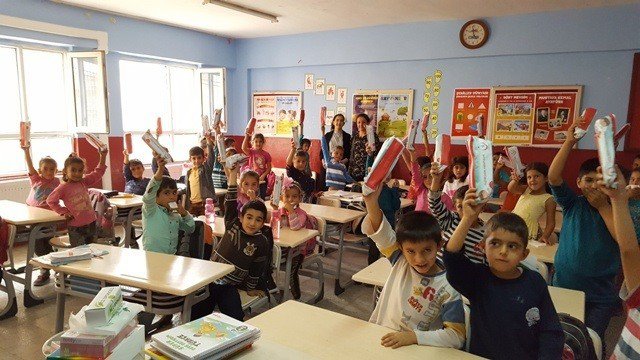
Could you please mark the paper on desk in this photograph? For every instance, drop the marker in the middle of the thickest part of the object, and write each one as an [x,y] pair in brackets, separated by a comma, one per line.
[536,243]
[46,259]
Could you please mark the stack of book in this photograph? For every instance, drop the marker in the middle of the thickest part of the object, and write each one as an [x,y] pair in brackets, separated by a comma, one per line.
[107,328]
[78,253]
[214,336]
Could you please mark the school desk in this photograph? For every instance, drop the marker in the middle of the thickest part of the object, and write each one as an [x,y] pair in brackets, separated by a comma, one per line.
[129,207]
[38,224]
[335,215]
[292,239]
[154,273]
[349,197]
[294,330]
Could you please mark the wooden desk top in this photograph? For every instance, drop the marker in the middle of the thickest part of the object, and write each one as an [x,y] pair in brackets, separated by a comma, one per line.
[172,274]
[568,301]
[545,253]
[16,213]
[375,274]
[288,237]
[293,328]
[126,201]
[332,214]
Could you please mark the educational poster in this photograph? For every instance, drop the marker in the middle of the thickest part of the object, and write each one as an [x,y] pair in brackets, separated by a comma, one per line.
[276,112]
[342,95]
[470,109]
[533,116]
[389,110]
[319,87]
[329,118]
[342,110]
[330,94]
[308,82]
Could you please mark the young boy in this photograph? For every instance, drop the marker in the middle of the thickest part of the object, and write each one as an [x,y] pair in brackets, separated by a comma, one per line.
[133,169]
[247,244]
[297,162]
[588,258]
[636,163]
[305,146]
[512,315]
[199,179]
[628,346]
[161,224]
[337,175]
[219,177]
[416,301]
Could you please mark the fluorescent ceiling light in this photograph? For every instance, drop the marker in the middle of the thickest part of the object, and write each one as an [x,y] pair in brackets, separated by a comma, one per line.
[242,9]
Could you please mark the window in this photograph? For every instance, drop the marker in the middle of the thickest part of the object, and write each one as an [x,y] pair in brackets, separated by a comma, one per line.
[151,90]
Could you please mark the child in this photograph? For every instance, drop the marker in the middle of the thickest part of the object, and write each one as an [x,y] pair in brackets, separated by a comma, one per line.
[259,159]
[588,258]
[501,177]
[297,163]
[422,162]
[337,175]
[389,203]
[249,188]
[634,199]
[512,315]
[219,177]
[161,225]
[293,217]
[416,301]
[81,218]
[535,201]
[636,162]
[199,179]
[247,244]
[627,347]
[457,177]
[133,169]
[43,182]
[449,220]
[305,146]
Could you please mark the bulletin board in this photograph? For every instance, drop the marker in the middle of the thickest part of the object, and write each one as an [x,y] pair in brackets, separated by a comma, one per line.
[276,112]
[389,110]
[533,115]
[470,110]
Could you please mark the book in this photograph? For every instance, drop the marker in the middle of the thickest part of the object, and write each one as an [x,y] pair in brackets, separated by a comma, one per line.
[295,134]
[103,306]
[277,189]
[236,159]
[228,353]
[74,343]
[383,164]
[154,144]
[217,117]
[606,151]
[587,115]
[130,347]
[222,151]
[25,133]
[128,142]
[127,312]
[205,125]
[251,126]
[204,337]
[480,167]
[413,131]
[514,160]
[425,121]
[441,153]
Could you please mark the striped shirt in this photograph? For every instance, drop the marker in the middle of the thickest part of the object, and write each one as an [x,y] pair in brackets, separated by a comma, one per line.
[337,175]
[628,346]
[449,221]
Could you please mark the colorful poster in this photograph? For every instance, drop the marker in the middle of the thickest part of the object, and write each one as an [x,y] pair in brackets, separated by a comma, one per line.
[308,82]
[330,94]
[342,95]
[276,112]
[389,110]
[319,89]
[533,116]
[470,108]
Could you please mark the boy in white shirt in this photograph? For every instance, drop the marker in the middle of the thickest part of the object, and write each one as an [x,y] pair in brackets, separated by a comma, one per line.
[417,301]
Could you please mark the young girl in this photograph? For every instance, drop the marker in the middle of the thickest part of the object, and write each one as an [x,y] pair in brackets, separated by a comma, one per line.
[43,182]
[249,181]
[161,224]
[293,217]
[534,201]
[81,218]
[259,159]
[297,163]
[457,176]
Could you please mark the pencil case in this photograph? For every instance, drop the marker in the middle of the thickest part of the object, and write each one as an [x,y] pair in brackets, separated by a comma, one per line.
[413,131]
[237,159]
[606,151]
[205,125]
[441,154]
[425,121]
[383,164]
[514,159]
[277,190]
[587,114]
[481,167]
[154,144]
[217,117]
[371,139]
[95,142]
[25,133]
[295,134]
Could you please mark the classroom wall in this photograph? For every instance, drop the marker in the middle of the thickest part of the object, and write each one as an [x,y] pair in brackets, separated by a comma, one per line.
[560,48]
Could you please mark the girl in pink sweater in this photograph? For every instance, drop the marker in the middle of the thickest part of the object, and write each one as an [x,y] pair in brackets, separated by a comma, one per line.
[81,218]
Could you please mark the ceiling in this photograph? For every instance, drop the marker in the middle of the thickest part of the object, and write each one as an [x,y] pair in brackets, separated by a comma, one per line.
[303,16]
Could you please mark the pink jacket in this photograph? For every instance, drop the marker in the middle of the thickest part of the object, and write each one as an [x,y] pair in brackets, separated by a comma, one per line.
[422,193]
[296,221]
[76,199]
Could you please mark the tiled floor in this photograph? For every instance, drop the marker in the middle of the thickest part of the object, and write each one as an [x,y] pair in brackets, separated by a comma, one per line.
[22,336]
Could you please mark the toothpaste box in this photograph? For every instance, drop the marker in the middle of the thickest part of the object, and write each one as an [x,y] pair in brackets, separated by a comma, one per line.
[103,306]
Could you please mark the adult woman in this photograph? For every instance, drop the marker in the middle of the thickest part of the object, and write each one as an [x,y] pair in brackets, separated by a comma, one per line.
[336,137]
[360,150]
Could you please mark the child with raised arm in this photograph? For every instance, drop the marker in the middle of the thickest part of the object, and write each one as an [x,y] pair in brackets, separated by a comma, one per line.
[43,181]
[135,182]
[199,179]
[588,258]
[512,315]
[458,176]
[297,163]
[247,245]
[535,201]
[219,176]
[259,159]
[161,223]
[628,346]
[77,209]
[337,174]
[417,301]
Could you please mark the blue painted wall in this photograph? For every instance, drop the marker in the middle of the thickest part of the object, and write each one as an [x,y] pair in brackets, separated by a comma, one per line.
[560,48]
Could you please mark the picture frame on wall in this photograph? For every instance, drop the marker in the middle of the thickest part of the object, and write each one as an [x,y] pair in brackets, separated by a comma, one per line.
[308,82]
[329,117]
[342,95]
[330,93]
[319,86]
[342,110]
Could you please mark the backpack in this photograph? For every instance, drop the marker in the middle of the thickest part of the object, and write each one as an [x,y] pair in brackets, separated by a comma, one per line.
[577,341]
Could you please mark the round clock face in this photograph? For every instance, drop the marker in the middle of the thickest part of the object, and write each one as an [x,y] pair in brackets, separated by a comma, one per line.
[474,34]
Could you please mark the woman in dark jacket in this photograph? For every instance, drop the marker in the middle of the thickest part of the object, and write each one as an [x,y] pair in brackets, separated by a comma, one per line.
[360,149]
[336,137]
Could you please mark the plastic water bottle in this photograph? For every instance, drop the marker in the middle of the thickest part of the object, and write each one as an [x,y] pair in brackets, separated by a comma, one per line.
[209,212]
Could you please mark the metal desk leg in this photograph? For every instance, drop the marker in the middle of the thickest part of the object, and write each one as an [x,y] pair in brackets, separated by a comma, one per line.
[31,299]
[339,289]
[11,309]
[60,302]
[127,227]
[286,295]
[186,308]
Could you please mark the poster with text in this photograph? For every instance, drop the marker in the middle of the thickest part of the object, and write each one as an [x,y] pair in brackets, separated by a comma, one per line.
[276,112]
[389,110]
[533,116]
[470,109]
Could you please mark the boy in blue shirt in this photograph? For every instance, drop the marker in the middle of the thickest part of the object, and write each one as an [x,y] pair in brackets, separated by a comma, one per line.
[588,258]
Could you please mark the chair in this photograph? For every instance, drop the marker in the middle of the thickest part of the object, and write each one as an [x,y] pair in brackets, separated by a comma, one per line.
[7,237]
[312,265]
[597,343]
[543,270]
[11,237]
[252,302]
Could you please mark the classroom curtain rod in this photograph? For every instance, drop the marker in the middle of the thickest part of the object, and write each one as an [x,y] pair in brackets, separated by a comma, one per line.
[242,9]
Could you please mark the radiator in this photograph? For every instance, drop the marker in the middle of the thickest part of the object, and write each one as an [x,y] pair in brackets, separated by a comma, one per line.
[15,190]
